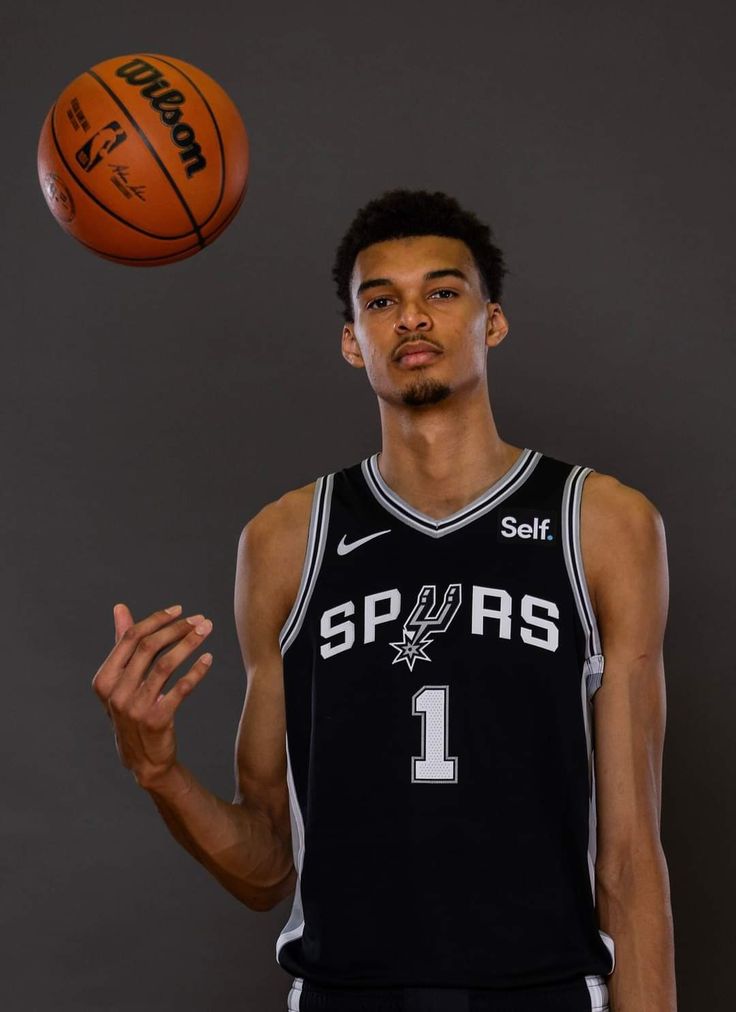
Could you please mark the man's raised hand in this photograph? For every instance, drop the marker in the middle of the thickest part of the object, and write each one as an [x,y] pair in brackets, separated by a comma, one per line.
[130,684]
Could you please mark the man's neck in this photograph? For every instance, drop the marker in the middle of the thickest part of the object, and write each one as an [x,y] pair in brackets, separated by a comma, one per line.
[440,460]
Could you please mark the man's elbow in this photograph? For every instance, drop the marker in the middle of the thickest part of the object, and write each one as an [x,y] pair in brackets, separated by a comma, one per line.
[267,899]
[630,866]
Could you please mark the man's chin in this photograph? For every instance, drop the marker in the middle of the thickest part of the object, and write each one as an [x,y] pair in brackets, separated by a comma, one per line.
[427,391]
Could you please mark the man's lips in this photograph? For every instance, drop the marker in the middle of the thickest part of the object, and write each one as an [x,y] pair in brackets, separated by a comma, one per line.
[416,353]
[417,358]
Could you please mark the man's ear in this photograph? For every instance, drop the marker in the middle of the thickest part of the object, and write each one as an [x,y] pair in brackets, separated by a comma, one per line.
[350,348]
[497,326]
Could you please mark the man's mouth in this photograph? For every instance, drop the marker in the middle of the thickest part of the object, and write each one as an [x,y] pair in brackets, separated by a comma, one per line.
[416,352]
[417,358]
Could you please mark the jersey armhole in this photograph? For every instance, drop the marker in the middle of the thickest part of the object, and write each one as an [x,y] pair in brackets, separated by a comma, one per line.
[316,537]
[571,509]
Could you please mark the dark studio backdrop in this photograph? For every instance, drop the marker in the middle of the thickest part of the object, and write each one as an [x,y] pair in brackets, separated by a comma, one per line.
[149,413]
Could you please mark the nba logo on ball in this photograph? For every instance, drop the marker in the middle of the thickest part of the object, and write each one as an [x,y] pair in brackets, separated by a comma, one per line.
[528,527]
[101,143]
[144,159]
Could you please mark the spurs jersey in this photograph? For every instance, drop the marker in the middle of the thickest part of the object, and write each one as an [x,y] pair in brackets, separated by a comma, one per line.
[438,678]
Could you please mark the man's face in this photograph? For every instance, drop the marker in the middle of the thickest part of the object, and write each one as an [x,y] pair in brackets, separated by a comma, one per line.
[395,304]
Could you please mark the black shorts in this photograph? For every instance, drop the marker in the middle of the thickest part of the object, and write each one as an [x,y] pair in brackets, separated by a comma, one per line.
[586,994]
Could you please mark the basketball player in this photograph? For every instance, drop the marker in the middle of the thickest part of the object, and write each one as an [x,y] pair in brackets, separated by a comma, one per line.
[424,634]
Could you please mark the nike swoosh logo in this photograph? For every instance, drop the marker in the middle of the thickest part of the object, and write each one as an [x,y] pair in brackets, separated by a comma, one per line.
[343,548]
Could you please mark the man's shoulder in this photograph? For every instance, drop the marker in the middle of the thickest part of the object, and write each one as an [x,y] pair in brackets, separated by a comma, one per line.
[614,505]
[272,549]
[282,521]
[619,525]
[290,513]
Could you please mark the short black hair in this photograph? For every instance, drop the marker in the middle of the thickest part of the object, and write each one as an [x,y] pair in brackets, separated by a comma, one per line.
[398,214]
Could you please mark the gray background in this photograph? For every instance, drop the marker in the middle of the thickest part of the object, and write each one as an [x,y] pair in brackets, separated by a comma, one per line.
[148,414]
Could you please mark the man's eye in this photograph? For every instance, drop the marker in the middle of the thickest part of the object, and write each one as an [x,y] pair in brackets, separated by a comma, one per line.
[384,298]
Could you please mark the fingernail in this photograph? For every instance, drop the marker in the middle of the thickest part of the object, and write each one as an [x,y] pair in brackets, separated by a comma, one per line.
[174,609]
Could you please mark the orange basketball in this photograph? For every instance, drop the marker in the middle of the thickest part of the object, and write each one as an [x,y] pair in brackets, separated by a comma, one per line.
[144,159]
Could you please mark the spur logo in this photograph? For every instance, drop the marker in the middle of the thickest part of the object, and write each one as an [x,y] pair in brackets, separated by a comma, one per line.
[426,621]
[167,102]
[487,611]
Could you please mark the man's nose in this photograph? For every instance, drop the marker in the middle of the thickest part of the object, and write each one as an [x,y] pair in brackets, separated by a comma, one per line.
[413,319]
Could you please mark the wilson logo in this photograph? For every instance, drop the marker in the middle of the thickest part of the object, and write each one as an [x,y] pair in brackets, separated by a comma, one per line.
[167,102]
[528,525]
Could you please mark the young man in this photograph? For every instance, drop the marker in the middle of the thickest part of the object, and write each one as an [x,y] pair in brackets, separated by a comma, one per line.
[424,635]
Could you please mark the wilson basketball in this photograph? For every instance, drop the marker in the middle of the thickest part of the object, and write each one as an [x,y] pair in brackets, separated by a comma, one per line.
[144,159]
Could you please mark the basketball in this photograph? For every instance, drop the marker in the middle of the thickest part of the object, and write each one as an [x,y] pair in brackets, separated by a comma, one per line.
[144,159]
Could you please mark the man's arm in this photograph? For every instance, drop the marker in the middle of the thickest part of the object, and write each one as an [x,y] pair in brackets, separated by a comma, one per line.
[264,596]
[246,844]
[625,557]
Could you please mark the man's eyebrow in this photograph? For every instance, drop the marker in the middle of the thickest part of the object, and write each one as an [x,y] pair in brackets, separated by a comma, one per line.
[441,273]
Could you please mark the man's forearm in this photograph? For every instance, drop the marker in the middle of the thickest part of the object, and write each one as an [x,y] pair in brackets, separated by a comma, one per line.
[235,843]
[634,908]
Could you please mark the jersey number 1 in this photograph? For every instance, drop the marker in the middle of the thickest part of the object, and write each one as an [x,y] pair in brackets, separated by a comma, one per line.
[433,766]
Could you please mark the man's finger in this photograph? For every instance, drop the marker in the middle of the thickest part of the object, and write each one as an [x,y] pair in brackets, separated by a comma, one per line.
[109,671]
[122,618]
[169,702]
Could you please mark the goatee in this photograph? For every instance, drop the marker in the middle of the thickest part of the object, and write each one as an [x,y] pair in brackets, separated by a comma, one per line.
[427,391]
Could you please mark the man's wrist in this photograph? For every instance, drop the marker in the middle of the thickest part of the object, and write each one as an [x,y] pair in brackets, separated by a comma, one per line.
[167,784]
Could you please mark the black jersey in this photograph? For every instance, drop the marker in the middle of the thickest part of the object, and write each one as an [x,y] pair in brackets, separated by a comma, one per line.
[438,677]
